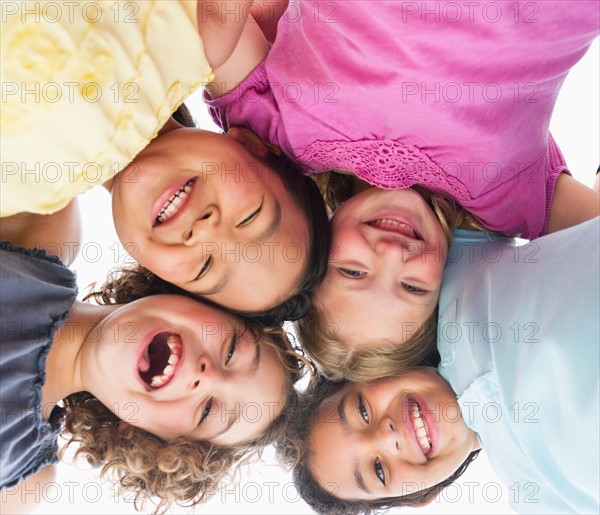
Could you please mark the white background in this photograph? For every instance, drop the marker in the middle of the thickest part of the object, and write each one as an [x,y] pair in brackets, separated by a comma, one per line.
[575,126]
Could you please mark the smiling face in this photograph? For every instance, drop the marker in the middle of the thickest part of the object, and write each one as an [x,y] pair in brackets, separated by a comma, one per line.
[176,367]
[204,213]
[390,437]
[385,269]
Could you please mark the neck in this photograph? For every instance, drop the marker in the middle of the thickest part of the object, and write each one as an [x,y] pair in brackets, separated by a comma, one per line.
[63,363]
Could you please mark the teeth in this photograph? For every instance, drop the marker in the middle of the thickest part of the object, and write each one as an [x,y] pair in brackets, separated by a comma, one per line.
[174,343]
[384,223]
[175,200]
[420,428]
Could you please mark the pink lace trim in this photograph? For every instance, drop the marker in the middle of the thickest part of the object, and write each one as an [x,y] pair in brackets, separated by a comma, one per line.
[387,164]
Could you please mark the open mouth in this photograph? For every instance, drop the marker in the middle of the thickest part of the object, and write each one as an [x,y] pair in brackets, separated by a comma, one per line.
[420,426]
[395,226]
[174,203]
[158,362]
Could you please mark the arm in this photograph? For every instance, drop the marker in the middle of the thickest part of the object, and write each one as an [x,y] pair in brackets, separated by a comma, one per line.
[572,204]
[58,233]
[233,42]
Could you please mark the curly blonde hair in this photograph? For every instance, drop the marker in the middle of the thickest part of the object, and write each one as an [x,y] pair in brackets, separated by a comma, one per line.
[385,358]
[154,470]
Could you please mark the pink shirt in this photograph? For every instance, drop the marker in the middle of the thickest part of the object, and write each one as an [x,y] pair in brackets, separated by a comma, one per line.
[455,96]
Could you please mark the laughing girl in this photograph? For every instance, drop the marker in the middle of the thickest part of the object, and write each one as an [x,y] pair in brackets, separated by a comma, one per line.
[164,392]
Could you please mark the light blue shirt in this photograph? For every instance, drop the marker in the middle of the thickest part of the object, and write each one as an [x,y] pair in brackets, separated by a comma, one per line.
[519,340]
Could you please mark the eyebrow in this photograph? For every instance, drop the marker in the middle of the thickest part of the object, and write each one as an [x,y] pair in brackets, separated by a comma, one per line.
[359,480]
[256,360]
[219,285]
[342,413]
[230,423]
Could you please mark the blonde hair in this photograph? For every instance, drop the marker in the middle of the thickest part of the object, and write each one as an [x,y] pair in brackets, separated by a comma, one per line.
[380,358]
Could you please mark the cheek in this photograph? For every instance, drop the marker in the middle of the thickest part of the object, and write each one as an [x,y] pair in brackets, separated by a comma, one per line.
[346,238]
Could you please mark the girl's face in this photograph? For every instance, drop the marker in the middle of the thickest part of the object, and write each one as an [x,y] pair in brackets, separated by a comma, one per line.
[385,269]
[389,438]
[176,367]
[202,212]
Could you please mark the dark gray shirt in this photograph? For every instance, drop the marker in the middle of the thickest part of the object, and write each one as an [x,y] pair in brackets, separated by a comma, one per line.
[36,293]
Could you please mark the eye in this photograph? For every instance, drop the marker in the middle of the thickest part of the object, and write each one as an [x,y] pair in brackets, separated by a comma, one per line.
[204,268]
[250,218]
[353,274]
[379,472]
[206,411]
[362,410]
[232,348]
[413,289]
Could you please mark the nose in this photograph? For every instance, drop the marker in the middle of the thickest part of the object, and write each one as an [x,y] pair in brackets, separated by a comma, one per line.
[398,252]
[203,226]
[205,374]
[387,436]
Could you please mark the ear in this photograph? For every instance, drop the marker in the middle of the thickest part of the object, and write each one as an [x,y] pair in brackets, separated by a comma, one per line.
[253,142]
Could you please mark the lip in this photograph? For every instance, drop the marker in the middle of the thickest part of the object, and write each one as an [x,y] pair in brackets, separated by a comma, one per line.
[390,229]
[429,418]
[141,349]
[162,199]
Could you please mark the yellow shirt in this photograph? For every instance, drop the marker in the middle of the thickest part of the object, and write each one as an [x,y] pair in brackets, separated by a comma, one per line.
[85,87]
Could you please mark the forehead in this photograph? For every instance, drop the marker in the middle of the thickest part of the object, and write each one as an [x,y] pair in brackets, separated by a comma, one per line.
[367,317]
[333,450]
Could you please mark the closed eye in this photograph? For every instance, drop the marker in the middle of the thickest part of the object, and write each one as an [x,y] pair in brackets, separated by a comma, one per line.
[352,274]
[206,411]
[204,269]
[413,289]
[249,219]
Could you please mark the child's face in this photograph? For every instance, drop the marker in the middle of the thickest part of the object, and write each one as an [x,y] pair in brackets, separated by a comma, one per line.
[204,213]
[175,367]
[385,269]
[389,438]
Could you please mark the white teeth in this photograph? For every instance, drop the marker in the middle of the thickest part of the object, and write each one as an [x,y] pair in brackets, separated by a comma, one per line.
[171,205]
[421,429]
[384,223]
[174,343]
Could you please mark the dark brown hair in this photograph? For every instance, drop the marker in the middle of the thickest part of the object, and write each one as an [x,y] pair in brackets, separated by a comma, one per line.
[293,451]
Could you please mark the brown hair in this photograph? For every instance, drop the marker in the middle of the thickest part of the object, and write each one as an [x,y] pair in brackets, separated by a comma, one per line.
[293,451]
[152,469]
[337,362]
